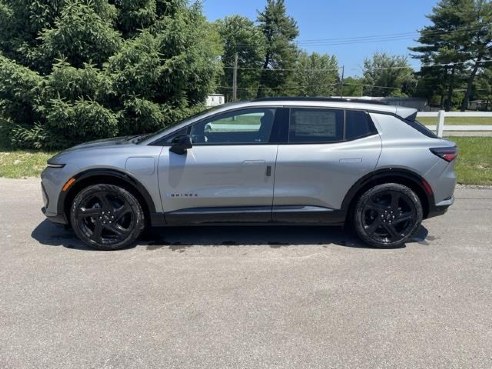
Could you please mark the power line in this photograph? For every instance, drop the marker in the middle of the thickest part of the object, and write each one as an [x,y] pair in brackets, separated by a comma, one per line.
[385,37]
[286,69]
[340,68]
[357,37]
[337,41]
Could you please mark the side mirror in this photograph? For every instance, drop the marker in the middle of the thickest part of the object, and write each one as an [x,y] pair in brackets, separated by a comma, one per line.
[180,145]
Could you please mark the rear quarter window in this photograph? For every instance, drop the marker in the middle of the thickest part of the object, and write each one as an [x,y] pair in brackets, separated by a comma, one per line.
[420,127]
[358,124]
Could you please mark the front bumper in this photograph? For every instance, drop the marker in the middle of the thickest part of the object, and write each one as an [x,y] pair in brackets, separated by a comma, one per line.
[49,209]
[55,218]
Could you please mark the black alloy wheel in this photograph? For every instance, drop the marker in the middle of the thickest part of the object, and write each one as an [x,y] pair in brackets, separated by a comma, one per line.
[387,215]
[107,217]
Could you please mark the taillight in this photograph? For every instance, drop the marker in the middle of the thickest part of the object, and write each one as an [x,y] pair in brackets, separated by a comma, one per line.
[446,153]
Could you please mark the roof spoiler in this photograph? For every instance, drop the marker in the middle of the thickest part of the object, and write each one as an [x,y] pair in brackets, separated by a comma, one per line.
[406,113]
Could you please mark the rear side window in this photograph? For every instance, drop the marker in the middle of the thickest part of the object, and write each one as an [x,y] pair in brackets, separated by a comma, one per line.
[358,125]
[315,125]
[318,125]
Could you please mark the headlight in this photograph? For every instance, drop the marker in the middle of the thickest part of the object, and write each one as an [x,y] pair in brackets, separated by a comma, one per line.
[52,165]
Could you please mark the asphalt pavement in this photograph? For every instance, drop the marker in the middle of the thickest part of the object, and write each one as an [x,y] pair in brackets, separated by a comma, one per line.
[239,297]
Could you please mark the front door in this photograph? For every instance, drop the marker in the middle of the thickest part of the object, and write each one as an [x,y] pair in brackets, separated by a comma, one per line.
[227,175]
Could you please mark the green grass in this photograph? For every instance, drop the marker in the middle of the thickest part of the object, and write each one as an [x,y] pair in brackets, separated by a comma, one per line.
[474,165]
[457,120]
[20,164]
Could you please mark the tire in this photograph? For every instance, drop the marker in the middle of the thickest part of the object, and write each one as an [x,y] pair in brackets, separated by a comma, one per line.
[107,217]
[387,215]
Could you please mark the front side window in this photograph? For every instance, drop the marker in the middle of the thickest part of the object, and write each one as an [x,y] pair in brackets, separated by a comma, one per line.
[247,126]
[314,125]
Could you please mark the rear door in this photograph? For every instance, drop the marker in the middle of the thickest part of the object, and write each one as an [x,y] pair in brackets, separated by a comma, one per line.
[326,152]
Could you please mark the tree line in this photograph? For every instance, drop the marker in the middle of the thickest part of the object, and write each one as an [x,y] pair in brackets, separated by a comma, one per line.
[71,71]
[455,53]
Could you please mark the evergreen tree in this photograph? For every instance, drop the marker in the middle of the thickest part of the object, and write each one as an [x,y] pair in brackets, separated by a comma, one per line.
[483,89]
[280,30]
[72,70]
[459,41]
[240,36]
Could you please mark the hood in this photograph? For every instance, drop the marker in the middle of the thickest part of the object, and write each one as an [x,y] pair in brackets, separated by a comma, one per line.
[98,144]
[106,142]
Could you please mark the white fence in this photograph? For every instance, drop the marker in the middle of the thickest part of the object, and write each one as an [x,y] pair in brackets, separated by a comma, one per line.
[441,115]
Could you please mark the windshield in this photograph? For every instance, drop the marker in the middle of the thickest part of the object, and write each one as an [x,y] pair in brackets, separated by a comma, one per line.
[151,136]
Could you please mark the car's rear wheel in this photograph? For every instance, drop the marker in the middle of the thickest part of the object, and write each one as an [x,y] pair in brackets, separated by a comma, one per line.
[107,217]
[387,215]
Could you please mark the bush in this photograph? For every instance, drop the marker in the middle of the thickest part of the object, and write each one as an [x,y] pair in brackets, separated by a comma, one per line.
[20,90]
[5,134]
[74,71]
[72,123]
[30,138]
[81,35]
[141,116]
[73,83]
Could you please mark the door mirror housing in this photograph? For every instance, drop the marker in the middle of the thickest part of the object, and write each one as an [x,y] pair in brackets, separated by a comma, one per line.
[180,145]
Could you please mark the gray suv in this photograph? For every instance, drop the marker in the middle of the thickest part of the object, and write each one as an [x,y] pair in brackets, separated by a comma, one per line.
[275,161]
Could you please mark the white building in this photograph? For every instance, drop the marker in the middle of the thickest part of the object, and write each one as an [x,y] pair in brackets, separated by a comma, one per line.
[215,99]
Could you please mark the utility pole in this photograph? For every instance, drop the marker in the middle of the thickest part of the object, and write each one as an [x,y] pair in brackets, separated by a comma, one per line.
[234,78]
[341,81]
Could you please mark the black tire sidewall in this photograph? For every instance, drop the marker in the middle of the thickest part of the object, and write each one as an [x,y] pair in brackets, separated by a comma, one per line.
[360,205]
[118,191]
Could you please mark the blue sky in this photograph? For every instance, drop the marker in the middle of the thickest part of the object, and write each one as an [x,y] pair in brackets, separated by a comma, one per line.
[352,30]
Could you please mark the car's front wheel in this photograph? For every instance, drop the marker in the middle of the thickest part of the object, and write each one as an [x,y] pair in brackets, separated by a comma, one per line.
[107,217]
[387,215]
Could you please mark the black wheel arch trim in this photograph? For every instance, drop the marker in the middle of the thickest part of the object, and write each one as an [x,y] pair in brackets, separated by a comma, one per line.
[386,175]
[86,176]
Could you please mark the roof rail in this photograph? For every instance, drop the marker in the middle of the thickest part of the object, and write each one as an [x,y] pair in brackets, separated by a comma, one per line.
[332,99]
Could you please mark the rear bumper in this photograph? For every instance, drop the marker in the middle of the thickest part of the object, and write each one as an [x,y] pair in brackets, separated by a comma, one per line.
[440,208]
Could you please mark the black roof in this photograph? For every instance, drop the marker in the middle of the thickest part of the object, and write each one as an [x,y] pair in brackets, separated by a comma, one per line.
[327,99]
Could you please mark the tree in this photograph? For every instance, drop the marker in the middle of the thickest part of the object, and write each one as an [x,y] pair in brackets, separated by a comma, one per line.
[353,86]
[21,23]
[432,85]
[483,88]
[388,75]
[82,34]
[240,36]
[458,41]
[279,30]
[316,75]
[71,70]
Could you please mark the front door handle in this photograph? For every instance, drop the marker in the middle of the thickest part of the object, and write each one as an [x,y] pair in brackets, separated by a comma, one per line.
[249,163]
[254,162]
